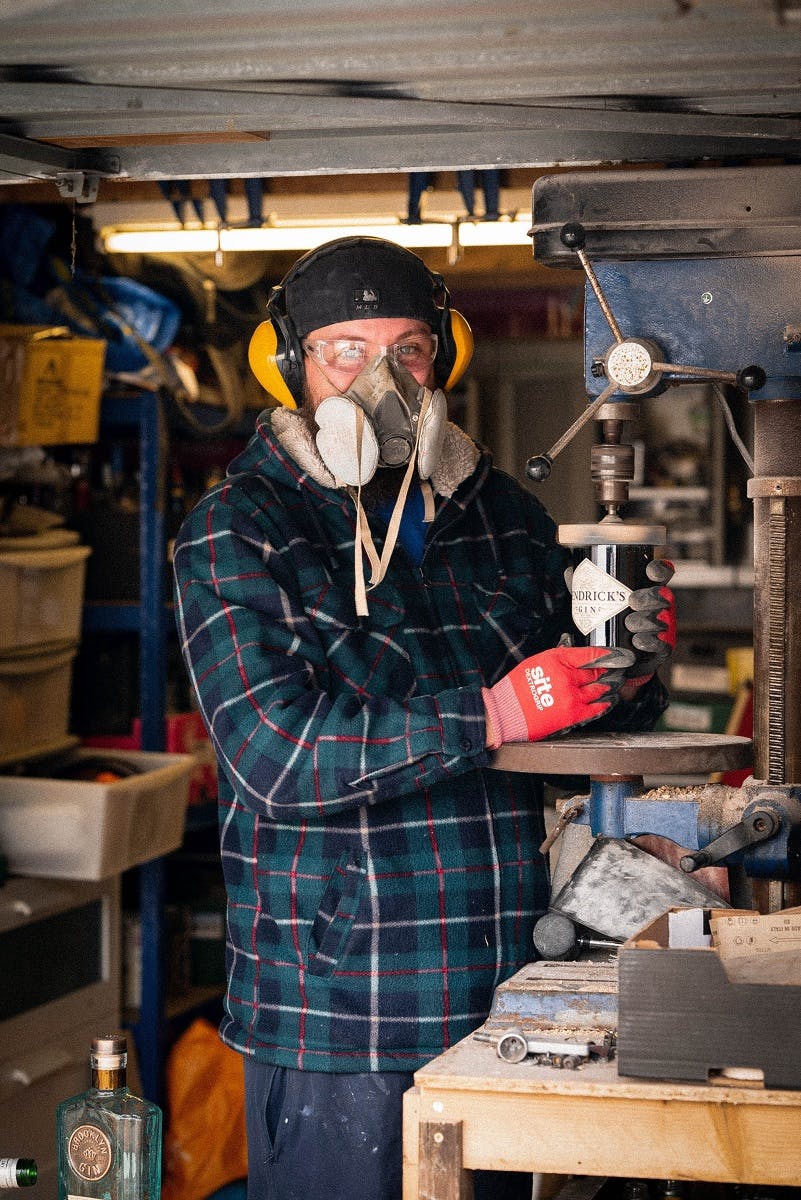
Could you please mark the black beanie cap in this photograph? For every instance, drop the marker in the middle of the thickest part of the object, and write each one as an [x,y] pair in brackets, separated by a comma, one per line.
[355,278]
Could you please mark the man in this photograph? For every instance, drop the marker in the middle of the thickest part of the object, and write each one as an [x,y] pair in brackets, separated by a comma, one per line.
[381,879]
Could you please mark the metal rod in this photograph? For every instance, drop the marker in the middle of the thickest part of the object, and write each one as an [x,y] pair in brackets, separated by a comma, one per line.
[699,372]
[599,296]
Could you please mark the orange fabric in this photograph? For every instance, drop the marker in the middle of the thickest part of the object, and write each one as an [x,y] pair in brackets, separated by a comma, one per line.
[205,1146]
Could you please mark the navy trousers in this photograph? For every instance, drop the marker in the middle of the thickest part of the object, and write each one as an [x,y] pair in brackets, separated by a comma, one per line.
[315,1136]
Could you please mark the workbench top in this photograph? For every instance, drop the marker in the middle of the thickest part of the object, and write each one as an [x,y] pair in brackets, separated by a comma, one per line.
[470,1110]
[473,1065]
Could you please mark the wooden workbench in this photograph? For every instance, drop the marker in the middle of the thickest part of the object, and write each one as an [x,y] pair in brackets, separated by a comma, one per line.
[470,1110]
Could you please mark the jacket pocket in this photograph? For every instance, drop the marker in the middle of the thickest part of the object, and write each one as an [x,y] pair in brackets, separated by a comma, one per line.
[336,914]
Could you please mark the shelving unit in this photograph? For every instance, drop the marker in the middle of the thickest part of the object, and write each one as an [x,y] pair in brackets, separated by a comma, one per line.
[147,618]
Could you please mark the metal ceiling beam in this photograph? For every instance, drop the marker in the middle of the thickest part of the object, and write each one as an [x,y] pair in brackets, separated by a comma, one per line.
[601,46]
[458,50]
[51,111]
[312,135]
[429,149]
[72,170]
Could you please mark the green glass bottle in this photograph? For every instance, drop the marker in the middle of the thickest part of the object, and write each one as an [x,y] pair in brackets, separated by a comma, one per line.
[17,1172]
[109,1141]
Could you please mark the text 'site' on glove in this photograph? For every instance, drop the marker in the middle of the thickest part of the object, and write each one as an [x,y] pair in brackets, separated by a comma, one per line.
[553,691]
[652,622]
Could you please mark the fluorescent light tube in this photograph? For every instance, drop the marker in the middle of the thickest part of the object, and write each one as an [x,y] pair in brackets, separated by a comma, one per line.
[495,233]
[270,237]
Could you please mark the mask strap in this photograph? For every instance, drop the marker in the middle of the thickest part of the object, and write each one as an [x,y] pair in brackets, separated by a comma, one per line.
[363,540]
[364,537]
[428,501]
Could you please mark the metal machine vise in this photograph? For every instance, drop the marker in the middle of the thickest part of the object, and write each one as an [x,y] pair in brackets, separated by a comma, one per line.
[695,275]
[756,824]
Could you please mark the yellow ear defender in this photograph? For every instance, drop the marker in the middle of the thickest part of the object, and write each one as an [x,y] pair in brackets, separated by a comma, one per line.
[264,359]
[461,337]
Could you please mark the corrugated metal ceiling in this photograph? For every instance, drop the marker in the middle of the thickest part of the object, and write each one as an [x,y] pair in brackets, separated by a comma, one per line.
[142,89]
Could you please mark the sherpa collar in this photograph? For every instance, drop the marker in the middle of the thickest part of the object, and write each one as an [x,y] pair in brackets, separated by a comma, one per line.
[458,461]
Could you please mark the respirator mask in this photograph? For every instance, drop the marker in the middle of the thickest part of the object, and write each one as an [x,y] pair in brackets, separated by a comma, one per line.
[385,419]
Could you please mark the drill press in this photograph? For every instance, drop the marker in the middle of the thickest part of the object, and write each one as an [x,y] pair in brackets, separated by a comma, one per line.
[691,275]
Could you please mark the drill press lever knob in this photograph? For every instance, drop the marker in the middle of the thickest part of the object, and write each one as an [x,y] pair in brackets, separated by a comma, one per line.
[752,378]
[539,467]
[573,236]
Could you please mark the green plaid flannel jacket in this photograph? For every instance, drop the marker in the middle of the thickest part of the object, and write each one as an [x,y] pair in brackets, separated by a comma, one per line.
[381,880]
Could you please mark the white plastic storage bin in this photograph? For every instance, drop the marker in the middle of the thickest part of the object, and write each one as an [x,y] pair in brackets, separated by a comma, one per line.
[74,829]
[41,595]
[34,702]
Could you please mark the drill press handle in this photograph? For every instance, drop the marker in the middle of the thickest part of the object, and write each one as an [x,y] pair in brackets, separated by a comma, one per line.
[539,467]
[756,826]
[632,365]
[633,369]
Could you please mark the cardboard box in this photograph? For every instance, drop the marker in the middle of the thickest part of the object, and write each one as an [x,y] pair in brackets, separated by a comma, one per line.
[682,1017]
[50,386]
[764,937]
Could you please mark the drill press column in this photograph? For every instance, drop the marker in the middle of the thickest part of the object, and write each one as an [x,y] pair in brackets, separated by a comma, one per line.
[776,492]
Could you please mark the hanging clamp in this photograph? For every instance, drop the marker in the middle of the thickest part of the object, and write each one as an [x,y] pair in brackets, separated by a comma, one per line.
[80,186]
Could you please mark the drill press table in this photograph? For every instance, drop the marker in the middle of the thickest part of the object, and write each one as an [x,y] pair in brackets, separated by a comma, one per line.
[469,1110]
[610,754]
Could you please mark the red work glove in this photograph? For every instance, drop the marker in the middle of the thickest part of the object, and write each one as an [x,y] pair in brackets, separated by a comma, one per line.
[652,621]
[553,691]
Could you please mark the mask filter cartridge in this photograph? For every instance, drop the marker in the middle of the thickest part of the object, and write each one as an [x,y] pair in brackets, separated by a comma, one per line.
[392,402]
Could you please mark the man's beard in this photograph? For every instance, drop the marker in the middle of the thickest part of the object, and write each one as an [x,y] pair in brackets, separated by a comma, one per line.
[383,488]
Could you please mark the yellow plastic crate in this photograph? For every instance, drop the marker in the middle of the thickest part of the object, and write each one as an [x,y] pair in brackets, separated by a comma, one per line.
[50,386]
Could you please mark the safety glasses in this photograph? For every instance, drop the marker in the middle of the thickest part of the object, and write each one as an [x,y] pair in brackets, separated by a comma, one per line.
[414,352]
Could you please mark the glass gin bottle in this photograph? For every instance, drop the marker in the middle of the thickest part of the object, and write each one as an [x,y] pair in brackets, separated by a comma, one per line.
[109,1141]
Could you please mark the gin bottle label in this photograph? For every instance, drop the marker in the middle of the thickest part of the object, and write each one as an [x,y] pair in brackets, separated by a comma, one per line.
[89,1152]
[598,597]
